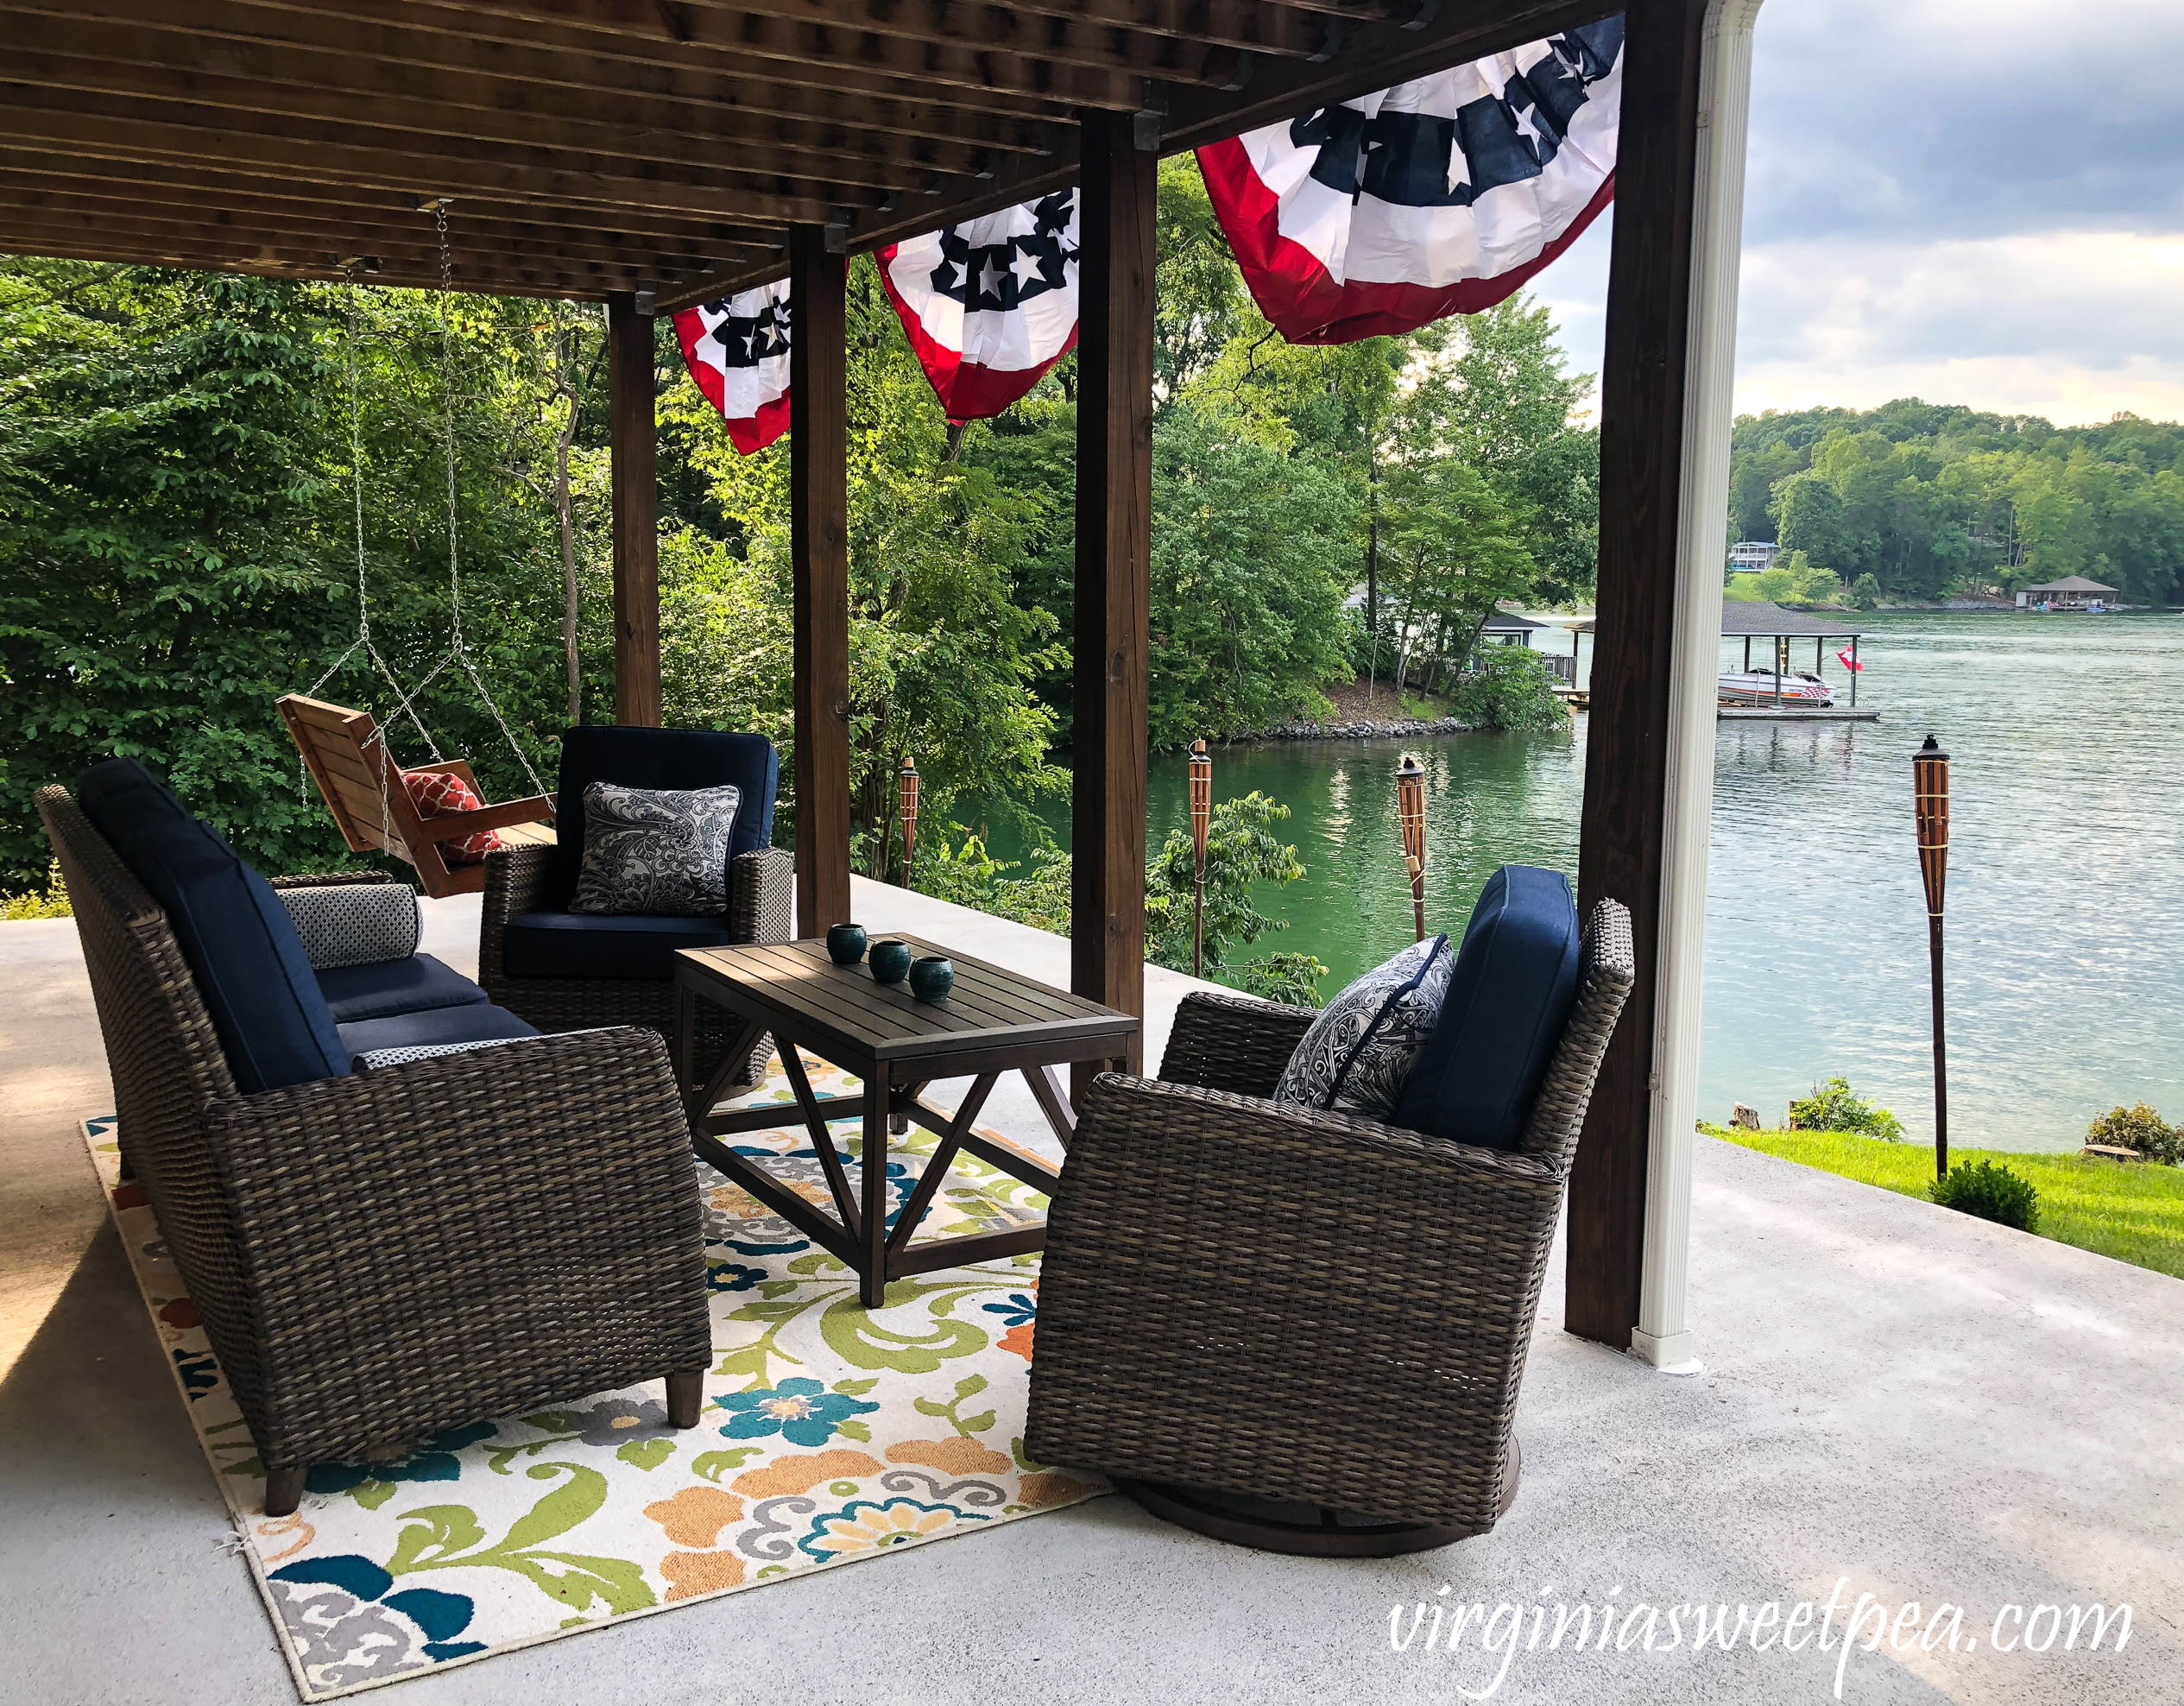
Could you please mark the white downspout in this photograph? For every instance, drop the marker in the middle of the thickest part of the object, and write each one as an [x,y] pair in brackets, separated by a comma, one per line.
[1662,1336]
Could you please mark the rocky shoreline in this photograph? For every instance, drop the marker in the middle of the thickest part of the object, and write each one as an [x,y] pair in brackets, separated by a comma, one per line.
[1394,729]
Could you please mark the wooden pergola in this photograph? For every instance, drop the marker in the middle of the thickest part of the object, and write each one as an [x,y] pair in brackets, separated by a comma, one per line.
[651,154]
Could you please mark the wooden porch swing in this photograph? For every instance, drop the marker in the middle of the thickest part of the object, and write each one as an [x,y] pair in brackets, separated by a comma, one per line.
[346,754]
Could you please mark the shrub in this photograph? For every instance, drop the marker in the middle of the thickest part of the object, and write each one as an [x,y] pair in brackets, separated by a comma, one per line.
[1511,688]
[54,903]
[1989,1191]
[1291,979]
[1834,1107]
[2141,1128]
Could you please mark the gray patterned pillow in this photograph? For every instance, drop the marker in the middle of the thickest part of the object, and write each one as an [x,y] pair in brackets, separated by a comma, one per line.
[1359,1052]
[659,852]
[354,923]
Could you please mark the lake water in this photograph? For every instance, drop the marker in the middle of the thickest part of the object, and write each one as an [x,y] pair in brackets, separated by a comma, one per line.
[2065,892]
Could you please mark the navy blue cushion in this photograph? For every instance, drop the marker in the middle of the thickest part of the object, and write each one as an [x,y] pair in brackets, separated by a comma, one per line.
[602,944]
[240,945]
[479,1022]
[382,987]
[658,758]
[1508,1000]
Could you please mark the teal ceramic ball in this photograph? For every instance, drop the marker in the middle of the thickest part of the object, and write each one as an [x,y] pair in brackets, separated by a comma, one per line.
[932,978]
[890,961]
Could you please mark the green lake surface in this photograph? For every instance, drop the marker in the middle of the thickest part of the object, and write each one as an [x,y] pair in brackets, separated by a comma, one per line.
[2066,890]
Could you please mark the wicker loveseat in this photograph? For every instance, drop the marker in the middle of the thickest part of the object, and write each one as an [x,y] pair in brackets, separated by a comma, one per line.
[564,970]
[1302,1330]
[377,1255]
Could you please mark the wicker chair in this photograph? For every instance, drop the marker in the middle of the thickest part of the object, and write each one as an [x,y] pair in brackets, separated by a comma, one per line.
[531,880]
[1302,1330]
[380,1256]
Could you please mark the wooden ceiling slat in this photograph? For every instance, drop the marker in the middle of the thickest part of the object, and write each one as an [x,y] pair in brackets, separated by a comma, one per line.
[536,281]
[142,58]
[363,209]
[125,130]
[846,70]
[485,253]
[368,225]
[140,77]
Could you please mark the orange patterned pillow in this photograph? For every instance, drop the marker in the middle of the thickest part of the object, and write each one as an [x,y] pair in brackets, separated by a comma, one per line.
[435,792]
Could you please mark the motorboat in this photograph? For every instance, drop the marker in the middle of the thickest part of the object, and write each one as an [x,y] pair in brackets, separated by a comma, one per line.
[1763,687]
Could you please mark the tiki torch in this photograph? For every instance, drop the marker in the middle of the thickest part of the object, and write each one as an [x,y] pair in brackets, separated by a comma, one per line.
[1410,810]
[1930,806]
[1201,816]
[909,786]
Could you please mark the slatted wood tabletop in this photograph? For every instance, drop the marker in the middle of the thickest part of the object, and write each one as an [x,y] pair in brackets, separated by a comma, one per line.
[795,986]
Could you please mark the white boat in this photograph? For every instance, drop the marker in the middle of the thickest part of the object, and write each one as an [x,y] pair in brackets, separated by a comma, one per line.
[1758,688]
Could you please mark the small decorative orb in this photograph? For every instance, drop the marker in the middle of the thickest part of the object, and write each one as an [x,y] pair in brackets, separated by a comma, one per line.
[845,944]
[932,978]
[890,961]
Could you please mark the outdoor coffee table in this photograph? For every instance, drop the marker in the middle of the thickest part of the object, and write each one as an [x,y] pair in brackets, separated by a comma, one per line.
[993,1021]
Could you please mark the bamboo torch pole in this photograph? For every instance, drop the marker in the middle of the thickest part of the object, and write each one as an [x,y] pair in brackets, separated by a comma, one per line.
[908,783]
[1410,810]
[1201,814]
[1930,806]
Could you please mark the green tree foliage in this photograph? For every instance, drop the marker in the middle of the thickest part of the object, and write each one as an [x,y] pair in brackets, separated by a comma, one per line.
[177,539]
[1929,500]
[1511,688]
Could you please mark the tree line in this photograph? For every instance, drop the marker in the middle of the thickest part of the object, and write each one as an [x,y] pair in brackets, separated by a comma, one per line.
[180,454]
[1916,501]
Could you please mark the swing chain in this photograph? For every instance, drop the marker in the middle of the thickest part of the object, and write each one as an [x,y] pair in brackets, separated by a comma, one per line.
[458,649]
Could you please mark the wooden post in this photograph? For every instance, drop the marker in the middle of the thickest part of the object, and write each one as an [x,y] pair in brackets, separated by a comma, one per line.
[819,565]
[1114,573]
[1626,771]
[634,458]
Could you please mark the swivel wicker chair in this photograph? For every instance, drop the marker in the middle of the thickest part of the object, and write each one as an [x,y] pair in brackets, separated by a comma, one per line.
[351,1244]
[1299,1330]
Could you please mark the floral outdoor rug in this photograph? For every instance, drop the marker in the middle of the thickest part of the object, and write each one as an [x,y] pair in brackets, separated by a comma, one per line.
[831,1433]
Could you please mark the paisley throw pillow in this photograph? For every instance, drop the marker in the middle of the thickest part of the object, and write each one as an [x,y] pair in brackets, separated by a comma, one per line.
[1359,1054]
[657,852]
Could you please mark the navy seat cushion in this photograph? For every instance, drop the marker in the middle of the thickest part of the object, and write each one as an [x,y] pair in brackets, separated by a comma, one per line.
[240,945]
[382,987]
[479,1022]
[602,944]
[1509,997]
[679,759]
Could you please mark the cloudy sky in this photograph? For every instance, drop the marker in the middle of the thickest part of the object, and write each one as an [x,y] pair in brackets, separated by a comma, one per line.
[1974,201]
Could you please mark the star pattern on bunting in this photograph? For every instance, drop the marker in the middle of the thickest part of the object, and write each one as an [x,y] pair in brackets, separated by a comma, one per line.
[746,340]
[999,277]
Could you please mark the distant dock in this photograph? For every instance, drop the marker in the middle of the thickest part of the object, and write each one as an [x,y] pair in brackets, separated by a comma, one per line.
[1844,713]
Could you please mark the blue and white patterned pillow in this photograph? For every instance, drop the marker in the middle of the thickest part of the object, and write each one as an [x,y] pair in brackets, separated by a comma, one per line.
[657,852]
[1359,1054]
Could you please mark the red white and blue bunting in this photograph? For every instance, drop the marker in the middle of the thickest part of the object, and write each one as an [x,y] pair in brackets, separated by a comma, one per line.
[1435,197]
[738,353]
[989,305]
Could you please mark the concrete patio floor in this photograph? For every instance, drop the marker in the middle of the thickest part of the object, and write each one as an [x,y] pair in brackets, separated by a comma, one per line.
[1933,1408]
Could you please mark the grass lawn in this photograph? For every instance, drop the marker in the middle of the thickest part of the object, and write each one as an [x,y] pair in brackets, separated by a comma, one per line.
[2132,1211]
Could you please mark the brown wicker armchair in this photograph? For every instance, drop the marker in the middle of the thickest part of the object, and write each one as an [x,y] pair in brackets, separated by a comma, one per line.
[380,1256]
[1302,1330]
[761,902]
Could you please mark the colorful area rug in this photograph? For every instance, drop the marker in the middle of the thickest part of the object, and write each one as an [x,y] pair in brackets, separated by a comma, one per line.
[831,1433]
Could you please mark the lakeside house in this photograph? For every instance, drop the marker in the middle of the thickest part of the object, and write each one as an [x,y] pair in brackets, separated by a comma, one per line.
[2072,592]
[1751,556]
